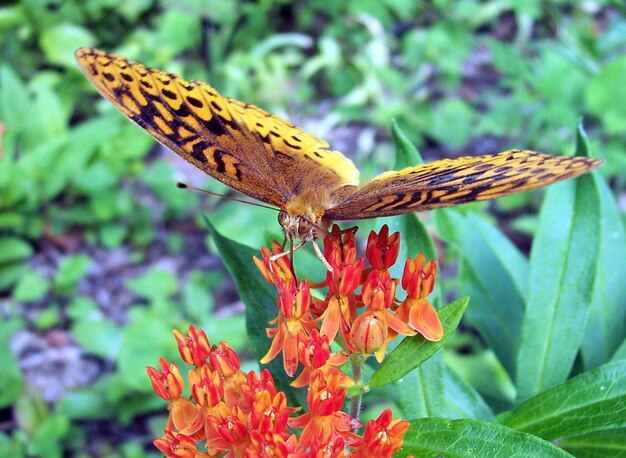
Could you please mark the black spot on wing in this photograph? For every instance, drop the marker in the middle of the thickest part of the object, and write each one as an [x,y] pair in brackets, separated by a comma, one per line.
[195,102]
[218,157]
[198,151]
[169,94]
[215,126]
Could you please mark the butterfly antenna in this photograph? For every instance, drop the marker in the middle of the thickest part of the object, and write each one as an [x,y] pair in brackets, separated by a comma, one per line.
[224,196]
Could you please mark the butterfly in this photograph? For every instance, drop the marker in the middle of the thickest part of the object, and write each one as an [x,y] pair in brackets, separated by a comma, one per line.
[269,159]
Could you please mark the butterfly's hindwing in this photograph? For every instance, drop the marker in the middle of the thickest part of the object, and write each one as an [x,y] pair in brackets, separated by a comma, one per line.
[455,181]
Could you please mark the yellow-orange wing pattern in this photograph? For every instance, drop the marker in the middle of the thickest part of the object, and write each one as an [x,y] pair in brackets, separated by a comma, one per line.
[456,181]
[274,161]
[243,146]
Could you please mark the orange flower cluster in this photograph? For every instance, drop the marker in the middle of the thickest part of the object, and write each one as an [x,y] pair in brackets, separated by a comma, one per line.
[338,316]
[237,414]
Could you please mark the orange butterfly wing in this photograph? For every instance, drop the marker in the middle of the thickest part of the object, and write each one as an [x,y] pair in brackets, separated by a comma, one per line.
[455,181]
[243,146]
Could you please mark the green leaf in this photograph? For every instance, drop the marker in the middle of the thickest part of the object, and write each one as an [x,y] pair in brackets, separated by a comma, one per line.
[494,275]
[14,249]
[563,262]
[98,335]
[609,443]
[605,96]
[146,337]
[155,285]
[16,106]
[592,401]
[60,41]
[89,404]
[70,271]
[607,318]
[463,400]
[620,353]
[259,297]
[407,154]
[10,274]
[450,122]
[414,350]
[438,437]
[11,378]
[420,393]
[30,287]
[582,140]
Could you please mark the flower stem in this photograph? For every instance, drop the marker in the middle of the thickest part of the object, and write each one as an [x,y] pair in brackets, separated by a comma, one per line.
[355,405]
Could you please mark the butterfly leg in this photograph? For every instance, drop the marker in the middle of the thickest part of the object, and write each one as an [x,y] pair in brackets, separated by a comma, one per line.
[290,252]
[321,257]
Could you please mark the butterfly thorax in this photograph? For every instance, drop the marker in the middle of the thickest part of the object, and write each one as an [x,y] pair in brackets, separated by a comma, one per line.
[302,216]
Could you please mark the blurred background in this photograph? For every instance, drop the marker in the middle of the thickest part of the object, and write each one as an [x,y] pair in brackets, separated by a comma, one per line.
[100,254]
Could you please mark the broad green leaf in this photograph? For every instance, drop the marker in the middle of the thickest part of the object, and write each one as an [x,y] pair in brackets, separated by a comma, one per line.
[71,269]
[420,393]
[607,318]
[463,400]
[493,274]
[88,403]
[30,287]
[592,401]
[605,95]
[259,297]
[14,249]
[563,265]
[609,443]
[16,106]
[61,40]
[146,338]
[11,378]
[438,437]
[414,350]
[620,353]
[10,274]
[407,154]
[154,285]
[99,336]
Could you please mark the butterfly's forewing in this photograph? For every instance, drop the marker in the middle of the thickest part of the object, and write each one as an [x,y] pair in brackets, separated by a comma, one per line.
[455,181]
[243,146]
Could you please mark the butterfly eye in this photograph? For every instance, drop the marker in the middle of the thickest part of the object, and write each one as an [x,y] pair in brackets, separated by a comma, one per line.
[283,217]
[305,225]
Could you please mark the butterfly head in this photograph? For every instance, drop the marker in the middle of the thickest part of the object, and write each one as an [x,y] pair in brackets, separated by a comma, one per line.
[305,227]
[302,216]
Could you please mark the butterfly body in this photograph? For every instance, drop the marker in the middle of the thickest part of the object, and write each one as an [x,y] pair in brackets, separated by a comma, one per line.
[267,158]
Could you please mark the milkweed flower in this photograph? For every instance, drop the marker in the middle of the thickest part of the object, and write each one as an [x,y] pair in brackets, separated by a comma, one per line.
[325,418]
[382,438]
[382,250]
[236,414]
[314,354]
[293,318]
[418,280]
[370,331]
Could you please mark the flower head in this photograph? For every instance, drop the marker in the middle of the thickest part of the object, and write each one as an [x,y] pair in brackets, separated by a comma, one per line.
[382,438]
[419,281]
[382,250]
[293,318]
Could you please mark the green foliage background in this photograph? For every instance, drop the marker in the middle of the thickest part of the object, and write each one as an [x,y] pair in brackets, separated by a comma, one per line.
[82,188]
